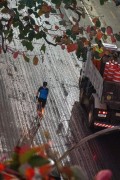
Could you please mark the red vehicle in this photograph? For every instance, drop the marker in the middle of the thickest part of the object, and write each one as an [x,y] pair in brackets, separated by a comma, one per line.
[100,94]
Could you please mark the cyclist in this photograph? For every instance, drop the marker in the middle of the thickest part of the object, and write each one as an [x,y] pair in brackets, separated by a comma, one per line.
[42,95]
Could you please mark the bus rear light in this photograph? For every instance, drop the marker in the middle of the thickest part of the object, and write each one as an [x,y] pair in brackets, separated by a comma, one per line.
[102,112]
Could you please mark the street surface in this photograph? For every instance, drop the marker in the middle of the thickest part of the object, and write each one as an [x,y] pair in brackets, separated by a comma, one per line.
[64,118]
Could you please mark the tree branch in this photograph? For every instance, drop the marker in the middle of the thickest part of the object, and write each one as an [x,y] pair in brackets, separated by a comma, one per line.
[3,43]
[49,42]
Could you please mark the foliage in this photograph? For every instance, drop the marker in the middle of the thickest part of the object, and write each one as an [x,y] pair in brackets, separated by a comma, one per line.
[34,163]
[32,20]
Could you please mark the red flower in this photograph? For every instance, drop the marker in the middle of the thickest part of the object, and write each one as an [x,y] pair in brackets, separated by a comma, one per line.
[7,176]
[104,175]
[72,47]
[17,149]
[56,27]
[24,149]
[2,167]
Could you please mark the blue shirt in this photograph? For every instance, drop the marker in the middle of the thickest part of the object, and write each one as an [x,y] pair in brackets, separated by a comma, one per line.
[43,92]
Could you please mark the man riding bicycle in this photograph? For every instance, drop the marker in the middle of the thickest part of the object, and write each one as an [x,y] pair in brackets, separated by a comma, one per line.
[42,95]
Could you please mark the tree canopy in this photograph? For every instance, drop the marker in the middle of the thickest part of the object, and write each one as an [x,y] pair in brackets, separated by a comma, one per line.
[32,21]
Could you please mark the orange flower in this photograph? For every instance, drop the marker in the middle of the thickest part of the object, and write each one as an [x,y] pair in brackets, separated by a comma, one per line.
[29,173]
[45,170]
[99,35]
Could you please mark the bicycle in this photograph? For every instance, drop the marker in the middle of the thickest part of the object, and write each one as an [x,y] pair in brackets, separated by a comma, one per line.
[39,109]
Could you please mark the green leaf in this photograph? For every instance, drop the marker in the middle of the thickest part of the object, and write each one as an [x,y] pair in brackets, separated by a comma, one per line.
[43,34]
[73,36]
[31,35]
[30,3]
[4,4]
[21,6]
[15,23]
[10,38]
[36,14]
[26,18]
[102,2]
[103,29]
[104,36]
[21,35]
[21,26]
[38,35]
[6,32]
[1,26]
[78,53]
[96,40]
[37,161]
[17,17]
[117,36]
[96,55]
[58,39]
[10,35]
[56,2]
[63,22]
[28,45]
[79,50]
[69,1]
[24,32]
[30,11]
[32,21]
[15,9]
[25,157]
[98,23]
[53,11]
[39,1]
[43,48]
[4,10]
[68,32]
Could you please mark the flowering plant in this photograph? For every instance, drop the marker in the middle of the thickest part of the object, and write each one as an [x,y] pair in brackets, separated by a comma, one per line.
[36,163]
